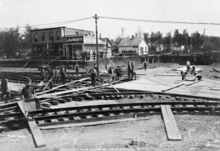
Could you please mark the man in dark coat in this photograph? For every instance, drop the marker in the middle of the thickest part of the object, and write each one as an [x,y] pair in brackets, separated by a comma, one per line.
[4,89]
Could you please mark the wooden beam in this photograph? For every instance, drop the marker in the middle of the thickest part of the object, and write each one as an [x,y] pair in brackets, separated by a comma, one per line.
[166,75]
[193,83]
[35,131]
[216,70]
[170,123]
[217,89]
[173,87]
[62,86]
[115,89]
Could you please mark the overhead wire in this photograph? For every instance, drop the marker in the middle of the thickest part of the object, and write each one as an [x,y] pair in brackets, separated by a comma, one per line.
[158,21]
[56,23]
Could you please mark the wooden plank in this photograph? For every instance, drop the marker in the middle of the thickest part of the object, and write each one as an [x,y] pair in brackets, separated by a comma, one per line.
[173,87]
[170,124]
[194,82]
[94,123]
[216,70]
[38,138]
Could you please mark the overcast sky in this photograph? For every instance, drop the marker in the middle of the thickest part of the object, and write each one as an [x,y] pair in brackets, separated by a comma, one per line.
[34,12]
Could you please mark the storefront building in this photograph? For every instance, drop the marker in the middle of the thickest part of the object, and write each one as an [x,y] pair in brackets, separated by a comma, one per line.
[54,42]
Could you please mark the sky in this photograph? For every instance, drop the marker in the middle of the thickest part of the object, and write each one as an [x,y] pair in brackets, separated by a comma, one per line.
[35,12]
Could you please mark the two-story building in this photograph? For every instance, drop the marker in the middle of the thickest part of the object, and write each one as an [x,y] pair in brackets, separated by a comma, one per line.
[68,43]
[133,46]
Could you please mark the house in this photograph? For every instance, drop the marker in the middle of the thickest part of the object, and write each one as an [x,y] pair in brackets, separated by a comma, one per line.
[63,42]
[133,46]
[107,47]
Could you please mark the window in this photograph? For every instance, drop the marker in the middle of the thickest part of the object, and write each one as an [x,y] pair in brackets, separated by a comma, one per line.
[77,33]
[58,35]
[35,37]
[43,36]
[51,35]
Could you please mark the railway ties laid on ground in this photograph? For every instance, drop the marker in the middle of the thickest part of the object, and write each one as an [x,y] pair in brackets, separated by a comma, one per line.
[96,113]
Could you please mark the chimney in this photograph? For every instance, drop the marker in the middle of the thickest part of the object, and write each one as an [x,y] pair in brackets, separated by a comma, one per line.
[100,36]
[136,35]
[132,36]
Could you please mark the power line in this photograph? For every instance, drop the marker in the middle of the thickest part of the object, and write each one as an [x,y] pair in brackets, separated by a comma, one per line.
[56,23]
[159,21]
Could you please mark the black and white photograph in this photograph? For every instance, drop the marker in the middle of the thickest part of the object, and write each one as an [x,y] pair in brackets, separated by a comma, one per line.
[109,75]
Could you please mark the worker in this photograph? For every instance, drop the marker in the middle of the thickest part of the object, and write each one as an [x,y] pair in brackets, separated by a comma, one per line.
[183,74]
[118,72]
[43,73]
[106,66]
[188,66]
[110,75]
[129,70]
[93,76]
[145,65]
[63,74]
[132,72]
[193,71]
[27,92]
[77,68]
[5,89]
[56,75]
[197,77]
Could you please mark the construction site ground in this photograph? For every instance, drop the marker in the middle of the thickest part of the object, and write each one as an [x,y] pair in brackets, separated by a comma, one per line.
[198,132]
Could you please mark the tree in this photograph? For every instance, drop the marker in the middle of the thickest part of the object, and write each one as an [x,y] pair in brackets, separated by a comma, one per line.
[11,42]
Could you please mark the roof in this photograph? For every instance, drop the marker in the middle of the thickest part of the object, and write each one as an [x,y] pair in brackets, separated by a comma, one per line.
[92,40]
[105,39]
[58,28]
[134,41]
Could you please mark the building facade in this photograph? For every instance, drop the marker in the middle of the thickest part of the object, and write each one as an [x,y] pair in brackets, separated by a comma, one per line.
[63,42]
[133,46]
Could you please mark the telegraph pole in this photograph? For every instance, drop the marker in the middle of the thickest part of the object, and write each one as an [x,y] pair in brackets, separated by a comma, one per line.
[97,49]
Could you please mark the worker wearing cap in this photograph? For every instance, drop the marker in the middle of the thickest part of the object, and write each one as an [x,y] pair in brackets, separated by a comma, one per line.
[93,76]
[63,74]
[118,72]
[4,88]
[43,73]
[77,68]
[56,75]
[197,77]
[183,74]
[110,74]
[27,91]
[145,65]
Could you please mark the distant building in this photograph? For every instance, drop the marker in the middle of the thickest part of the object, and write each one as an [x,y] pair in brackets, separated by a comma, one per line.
[133,46]
[107,47]
[67,43]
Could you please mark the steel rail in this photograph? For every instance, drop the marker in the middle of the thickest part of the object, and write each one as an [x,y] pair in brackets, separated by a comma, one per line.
[111,111]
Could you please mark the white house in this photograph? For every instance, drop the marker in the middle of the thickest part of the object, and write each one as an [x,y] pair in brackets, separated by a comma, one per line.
[133,46]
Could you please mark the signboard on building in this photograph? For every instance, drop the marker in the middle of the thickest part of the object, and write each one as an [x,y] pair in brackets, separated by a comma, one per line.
[78,39]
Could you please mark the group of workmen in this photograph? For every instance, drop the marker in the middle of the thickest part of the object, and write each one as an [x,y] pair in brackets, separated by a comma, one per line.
[27,91]
[190,70]
[56,75]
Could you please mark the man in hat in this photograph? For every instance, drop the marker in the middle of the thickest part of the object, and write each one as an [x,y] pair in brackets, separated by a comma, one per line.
[4,89]
[27,91]
[118,72]
[43,73]
[63,73]
[93,76]
[56,75]
[77,68]
[110,74]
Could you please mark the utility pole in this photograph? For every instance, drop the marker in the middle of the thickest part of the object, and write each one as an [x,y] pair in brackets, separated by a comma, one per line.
[97,49]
